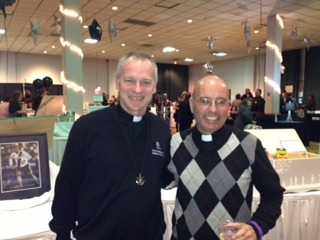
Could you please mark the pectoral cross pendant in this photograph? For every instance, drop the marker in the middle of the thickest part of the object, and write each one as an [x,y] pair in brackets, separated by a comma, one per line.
[140,180]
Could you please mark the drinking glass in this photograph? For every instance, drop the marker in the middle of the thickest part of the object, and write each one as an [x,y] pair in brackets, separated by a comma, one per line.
[226,231]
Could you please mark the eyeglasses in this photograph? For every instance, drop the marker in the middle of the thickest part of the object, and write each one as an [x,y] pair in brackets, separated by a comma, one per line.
[218,102]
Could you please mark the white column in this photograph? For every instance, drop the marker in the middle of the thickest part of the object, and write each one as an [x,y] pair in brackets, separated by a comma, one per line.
[273,64]
[71,31]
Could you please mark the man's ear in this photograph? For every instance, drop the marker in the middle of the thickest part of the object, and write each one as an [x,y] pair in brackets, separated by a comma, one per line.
[118,84]
[191,104]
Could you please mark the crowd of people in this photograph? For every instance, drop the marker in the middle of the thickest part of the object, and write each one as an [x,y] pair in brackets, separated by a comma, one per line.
[19,103]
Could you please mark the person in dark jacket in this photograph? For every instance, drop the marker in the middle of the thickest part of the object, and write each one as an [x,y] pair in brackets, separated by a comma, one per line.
[15,101]
[114,165]
[258,103]
[244,115]
[185,114]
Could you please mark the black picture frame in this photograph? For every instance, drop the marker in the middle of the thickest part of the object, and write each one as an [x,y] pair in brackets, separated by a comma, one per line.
[24,165]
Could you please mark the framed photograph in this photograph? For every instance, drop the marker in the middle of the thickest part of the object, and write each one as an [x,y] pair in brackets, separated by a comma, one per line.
[24,165]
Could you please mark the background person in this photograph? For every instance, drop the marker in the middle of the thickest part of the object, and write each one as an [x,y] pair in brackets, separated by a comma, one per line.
[235,106]
[115,164]
[247,94]
[4,107]
[244,116]
[258,103]
[311,103]
[215,167]
[185,114]
[15,109]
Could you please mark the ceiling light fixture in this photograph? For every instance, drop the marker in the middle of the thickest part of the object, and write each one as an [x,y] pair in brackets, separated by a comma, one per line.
[90,41]
[168,49]
[2,31]
[256,30]
[219,54]
[188,60]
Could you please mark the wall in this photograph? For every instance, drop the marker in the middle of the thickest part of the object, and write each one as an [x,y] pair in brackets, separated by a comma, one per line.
[238,73]
[20,67]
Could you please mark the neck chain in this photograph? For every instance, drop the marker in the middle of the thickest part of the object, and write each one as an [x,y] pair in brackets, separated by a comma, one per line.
[140,179]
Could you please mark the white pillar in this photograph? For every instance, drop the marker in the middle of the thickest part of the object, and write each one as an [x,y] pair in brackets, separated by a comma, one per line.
[71,31]
[273,64]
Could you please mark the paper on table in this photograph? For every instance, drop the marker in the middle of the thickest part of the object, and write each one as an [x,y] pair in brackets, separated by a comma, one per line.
[292,145]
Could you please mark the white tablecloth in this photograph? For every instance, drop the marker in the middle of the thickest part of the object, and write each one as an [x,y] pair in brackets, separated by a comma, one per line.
[300,219]
[28,219]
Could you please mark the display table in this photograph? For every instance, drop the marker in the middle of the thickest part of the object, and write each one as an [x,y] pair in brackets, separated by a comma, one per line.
[62,129]
[299,219]
[301,128]
[301,171]
[29,218]
[59,144]
[28,125]
[60,137]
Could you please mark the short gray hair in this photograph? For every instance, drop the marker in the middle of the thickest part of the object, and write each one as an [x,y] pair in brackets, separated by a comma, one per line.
[138,56]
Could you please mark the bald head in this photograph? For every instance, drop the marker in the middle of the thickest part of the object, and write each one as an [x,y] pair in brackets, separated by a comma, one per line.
[211,82]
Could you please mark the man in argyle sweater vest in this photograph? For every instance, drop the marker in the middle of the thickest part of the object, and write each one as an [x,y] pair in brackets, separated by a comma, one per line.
[215,168]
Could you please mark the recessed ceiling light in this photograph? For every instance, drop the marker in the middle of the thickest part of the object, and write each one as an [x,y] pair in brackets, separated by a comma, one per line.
[53,46]
[168,49]
[219,54]
[188,60]
[189,21]
[90,41]
[2,31]
[103,51]
[123,44]
[115,8]
[149,35]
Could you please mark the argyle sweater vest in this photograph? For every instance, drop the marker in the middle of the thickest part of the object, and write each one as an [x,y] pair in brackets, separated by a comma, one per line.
[214,181]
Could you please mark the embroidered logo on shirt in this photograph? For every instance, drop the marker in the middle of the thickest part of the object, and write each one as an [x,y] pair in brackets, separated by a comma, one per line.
[157,151]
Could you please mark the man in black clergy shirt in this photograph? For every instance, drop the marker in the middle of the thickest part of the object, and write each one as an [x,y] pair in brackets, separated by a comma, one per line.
[114,165]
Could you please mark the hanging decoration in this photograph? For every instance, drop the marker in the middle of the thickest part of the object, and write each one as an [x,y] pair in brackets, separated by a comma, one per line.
[35,31]
[294,33]
[211,42]
[95,30]
[308,40]
[247,34]
[4,4]
[208,68]
[112,30]
[57,24]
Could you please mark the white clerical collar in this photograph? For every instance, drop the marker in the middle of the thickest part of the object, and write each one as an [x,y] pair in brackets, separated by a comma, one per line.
[137,119]
[206,138]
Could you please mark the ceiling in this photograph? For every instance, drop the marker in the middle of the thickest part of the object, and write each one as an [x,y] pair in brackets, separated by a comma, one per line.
[166,20]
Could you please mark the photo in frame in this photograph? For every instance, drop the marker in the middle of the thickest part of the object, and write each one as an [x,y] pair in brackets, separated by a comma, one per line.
[24,165]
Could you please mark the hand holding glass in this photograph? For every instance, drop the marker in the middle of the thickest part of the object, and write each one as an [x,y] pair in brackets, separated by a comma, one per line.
[226,230]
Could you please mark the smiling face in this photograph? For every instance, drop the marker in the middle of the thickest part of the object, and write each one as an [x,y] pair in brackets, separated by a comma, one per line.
[209,104]
[136,85]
